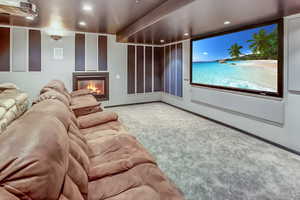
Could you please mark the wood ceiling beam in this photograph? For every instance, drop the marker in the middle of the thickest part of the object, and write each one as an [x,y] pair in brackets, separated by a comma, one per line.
[151,18]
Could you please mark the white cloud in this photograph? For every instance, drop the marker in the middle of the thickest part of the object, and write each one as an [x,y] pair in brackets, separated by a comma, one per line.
[205,53]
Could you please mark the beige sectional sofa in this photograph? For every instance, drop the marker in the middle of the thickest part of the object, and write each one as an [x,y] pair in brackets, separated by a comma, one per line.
[51,154]
[13,103]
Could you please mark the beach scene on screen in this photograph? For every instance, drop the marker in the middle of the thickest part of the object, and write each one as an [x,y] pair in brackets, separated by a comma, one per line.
[245,60]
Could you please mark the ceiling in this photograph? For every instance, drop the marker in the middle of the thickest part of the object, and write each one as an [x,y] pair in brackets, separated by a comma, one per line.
[197,17]
[107,16]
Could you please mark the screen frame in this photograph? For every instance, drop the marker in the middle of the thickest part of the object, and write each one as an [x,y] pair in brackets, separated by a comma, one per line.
[280,74]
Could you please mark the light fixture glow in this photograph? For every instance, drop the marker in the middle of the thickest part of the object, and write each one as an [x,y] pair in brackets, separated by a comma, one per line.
[31,18]
[227,22]
[87,7]
[82,23]
[162,41]
[186,34]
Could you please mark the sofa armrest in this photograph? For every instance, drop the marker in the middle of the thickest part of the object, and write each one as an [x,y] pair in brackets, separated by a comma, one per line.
[80,92]
[97,118]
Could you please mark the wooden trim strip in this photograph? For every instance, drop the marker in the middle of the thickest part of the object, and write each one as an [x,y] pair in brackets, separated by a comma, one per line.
[35,51]
[148,69]
[179,70]
[140,69]
[102,53]
[79,52]
[131,69]
[4,49]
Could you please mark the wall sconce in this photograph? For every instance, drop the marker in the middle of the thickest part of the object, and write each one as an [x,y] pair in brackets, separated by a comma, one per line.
[56,37]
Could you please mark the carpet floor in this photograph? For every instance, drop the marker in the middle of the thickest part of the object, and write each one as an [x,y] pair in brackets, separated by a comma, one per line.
[209,161]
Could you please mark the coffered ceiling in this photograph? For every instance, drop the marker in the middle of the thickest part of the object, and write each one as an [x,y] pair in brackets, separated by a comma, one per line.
[151,21]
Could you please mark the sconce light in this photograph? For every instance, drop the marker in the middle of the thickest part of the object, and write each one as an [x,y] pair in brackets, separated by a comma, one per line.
[56,37]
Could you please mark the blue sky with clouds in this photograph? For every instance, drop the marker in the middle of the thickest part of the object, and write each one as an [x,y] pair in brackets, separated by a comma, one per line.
[216,48]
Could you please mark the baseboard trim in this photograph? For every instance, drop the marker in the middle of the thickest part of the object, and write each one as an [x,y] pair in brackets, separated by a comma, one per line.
[237,129]
[132,104]
[218,122]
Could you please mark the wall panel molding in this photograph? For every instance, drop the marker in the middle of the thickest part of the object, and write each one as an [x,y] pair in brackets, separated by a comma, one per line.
[4,49]
[35,51]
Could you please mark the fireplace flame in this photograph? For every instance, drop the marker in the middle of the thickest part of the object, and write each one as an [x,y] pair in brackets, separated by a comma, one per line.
[92,86]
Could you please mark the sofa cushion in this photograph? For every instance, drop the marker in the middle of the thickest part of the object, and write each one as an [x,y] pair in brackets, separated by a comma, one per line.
[36,165]
[52,94]
[97,118]
[113,125]
[114,154]
[81,92]
[57,85]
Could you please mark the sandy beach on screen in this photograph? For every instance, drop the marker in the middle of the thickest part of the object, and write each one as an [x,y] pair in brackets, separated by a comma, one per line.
[260,63]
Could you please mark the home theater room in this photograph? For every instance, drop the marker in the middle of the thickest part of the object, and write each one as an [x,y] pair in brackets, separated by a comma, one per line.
[149,99]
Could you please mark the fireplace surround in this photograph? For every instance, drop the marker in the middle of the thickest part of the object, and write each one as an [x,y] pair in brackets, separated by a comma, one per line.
[97,82]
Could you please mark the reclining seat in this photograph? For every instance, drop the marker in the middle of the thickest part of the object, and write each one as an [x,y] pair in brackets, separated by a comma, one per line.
[119,166]
[34,155]
[82,102]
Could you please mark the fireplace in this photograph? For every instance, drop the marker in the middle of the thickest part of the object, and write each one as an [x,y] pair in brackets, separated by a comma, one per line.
[97,82]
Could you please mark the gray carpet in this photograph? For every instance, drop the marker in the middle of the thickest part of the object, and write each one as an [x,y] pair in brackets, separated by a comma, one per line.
[209,161]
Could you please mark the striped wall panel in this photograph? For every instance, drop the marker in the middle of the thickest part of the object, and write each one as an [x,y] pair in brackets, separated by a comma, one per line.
[131,69]
[167,68]
[79,52]
[158,69]
[179,70]
[140,69]
[35,51]
[90,52]
[102,53]
[4,49]
[148,69]
[173,70]
[19,50]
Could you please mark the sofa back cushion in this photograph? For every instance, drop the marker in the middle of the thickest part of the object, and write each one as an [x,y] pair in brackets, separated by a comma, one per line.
[34,157]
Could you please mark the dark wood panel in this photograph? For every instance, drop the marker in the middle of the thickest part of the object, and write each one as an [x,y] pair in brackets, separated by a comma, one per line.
[173,69]
[167,69]
[140,69]
[35,51]
[102,53]
[186,19]
[148,69]
[151,18]
[4,49]
[158,69]
[79,52]
[131,69]
[179,70]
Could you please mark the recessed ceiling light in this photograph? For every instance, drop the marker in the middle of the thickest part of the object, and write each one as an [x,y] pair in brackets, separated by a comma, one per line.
[137,1]
[82,23]
[186,34]
[162,41]
[30,18]
[227,22]
[87,7]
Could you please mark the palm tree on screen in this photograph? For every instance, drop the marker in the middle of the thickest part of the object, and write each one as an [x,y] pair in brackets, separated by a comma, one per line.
[260,43]
[235,50]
